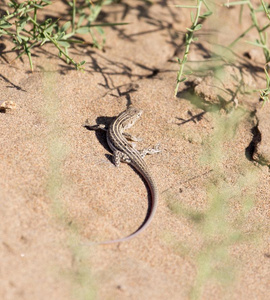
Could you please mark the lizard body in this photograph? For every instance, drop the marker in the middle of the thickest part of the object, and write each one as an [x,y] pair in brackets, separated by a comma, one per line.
[124,151]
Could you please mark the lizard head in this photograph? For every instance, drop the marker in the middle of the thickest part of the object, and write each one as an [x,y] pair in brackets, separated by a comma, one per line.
[132,115]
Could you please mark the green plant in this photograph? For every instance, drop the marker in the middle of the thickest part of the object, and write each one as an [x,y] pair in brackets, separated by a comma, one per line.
[261,41]
[21,23]
[264,93]
[189,38]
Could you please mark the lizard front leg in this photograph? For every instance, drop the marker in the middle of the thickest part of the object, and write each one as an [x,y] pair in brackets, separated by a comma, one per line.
[95,127]
[148,151]
[131,138]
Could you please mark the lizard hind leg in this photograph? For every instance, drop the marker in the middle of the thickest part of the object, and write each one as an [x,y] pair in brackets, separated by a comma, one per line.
[119,156]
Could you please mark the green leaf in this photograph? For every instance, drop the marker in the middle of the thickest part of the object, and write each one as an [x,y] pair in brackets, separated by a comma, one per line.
[22,22]
[182,79]
[95,10]
[83,30]
[49,30]
[82,17]
[108,24]
[19,39]
[5,24]
[50,26]
[48,22]
[107,2]
[267,76]
[2,32]
[73,41]
[256,44]
[186,6]
[67,36]
[236,3]
[37,5]
[60,36]
[67,57]
[192,16]
[44,41]
[206,14]
[24,38]
[184,60]
[100,30]
[198,27]
[66,26]
[64,44]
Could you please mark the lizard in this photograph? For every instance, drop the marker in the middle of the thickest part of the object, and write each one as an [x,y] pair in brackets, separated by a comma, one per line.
[125,151]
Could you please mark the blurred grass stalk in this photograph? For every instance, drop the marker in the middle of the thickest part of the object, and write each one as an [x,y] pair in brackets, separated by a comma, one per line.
[56,148]
[224,224]
[79,274]
[220,230]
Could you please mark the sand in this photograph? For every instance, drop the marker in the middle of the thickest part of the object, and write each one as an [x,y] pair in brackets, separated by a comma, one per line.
[59,189]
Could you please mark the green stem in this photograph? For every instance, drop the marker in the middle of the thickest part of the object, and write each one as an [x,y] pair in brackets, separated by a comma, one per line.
[55,44]
[265,9]
[35,19]
[241,36]
[189,39]
[73,15]
[24,51]
[7,17]
[59,48]
[28,53]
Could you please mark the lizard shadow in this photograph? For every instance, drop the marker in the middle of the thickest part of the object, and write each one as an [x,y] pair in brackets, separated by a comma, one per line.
[100,133]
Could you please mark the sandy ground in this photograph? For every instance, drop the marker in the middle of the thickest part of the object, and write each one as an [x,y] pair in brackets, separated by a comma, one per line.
[59,189]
